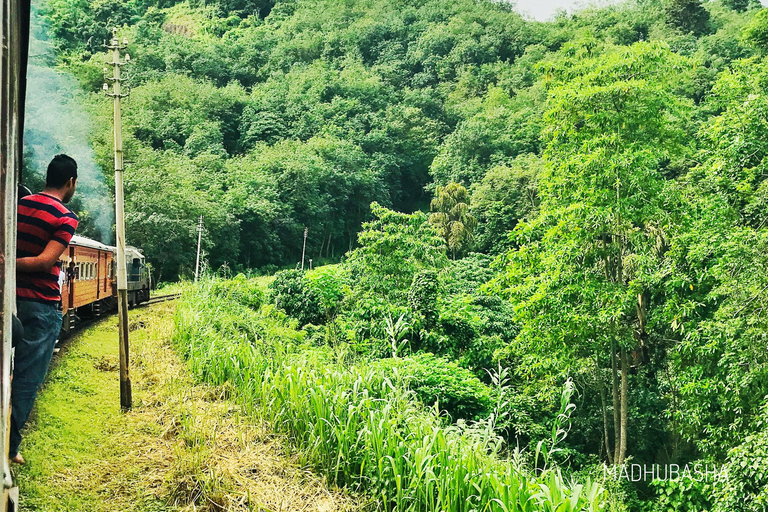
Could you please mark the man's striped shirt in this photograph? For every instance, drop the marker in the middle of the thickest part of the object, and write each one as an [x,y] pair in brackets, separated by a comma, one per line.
[42,218]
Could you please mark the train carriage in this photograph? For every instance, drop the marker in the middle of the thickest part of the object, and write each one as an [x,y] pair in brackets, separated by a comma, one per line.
[89,286]
[14,44]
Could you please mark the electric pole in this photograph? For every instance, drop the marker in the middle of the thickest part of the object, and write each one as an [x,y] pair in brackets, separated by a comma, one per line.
[303,250]
[199,239]
[122,279]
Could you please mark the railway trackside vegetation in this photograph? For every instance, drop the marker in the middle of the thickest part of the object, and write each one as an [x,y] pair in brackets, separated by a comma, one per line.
[358,423]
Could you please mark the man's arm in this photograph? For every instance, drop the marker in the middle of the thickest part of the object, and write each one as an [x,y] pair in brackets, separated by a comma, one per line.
[45,261]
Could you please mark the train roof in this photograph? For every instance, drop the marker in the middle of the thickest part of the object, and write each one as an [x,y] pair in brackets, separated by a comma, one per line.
[133,252]
[87,242]
[81,241]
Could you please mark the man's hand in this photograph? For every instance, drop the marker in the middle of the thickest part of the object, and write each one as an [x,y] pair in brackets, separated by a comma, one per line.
[45,261]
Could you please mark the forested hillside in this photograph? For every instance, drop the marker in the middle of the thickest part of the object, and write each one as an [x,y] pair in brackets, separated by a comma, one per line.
[580,198]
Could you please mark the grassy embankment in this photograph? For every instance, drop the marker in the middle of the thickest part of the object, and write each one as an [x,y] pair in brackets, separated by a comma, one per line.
[183,447]
[353,421]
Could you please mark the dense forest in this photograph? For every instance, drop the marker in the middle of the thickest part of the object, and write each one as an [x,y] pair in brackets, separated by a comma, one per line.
[508,201]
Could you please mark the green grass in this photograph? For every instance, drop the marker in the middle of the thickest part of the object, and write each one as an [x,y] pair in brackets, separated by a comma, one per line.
[78,427]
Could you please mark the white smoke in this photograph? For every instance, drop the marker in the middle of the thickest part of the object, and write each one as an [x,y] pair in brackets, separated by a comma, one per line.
[56,121]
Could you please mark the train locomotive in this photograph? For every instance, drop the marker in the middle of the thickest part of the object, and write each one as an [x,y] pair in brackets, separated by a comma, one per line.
[89,286]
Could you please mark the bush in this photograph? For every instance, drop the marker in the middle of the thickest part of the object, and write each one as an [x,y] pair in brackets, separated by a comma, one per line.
[327,284]
[240,289]
[291,292]
[687,494]
[434,379]
[746,482]
[460,322]
[422,296]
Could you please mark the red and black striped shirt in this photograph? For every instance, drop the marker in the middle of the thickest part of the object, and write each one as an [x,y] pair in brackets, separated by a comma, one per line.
[42,218]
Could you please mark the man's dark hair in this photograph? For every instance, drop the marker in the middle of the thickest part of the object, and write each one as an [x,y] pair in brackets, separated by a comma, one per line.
[61,169]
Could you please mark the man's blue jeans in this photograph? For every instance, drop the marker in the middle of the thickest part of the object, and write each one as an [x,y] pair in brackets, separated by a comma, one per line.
[42,323]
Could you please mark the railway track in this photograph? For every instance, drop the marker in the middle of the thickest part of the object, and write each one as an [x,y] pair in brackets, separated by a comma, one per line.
[87,322]
[159,299]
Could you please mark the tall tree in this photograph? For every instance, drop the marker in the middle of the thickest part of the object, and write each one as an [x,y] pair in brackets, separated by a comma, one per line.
[450,214]
[688,16]
[583,274]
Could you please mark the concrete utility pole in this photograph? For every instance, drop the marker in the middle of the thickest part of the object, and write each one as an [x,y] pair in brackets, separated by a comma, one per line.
[304,249]
[199,239]
[122,278]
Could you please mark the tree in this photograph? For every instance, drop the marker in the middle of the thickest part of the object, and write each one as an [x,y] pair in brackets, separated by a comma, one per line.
[506,195]
[688,16]
[503,129]
[584,270]
[737,5]
[450,214]
[393,247]
[755,33]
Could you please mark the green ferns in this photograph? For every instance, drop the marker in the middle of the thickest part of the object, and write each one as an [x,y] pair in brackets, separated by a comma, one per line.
[353,423]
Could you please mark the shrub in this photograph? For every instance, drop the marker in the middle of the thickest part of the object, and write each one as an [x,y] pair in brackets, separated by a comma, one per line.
[240,289]
[459,321]
[327,284]
[687,494]
[291,292]
[456,390]
[746,482]
[422,296]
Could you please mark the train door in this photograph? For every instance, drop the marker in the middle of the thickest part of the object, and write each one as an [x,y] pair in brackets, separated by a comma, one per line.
[98,274]
[64,280]
[72,278]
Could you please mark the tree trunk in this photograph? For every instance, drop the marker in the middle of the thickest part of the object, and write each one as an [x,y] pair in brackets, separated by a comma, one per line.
[322,244]
[642,314]
[624,408]
[605,425]
[616,404]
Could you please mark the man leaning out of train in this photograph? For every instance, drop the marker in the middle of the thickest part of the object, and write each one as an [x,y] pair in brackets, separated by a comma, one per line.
[45,228]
